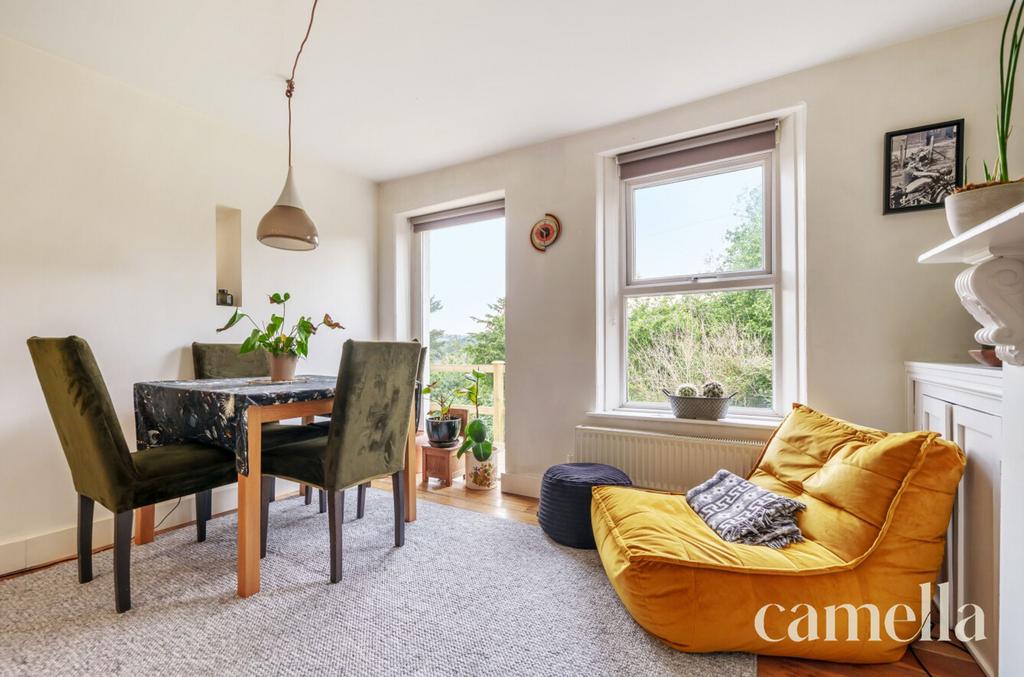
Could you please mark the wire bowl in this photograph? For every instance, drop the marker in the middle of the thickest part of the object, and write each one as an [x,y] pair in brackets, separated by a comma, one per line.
[700,408]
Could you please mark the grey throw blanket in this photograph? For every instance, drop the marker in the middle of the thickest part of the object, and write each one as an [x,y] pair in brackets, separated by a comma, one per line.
[742,512]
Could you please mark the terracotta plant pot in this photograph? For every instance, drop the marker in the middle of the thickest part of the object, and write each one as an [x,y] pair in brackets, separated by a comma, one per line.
[968,209]
[986,355]
[282,367]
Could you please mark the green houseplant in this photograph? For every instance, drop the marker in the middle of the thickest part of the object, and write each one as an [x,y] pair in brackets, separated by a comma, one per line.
[283,348]
[971,204]
[442,426]
[481,469]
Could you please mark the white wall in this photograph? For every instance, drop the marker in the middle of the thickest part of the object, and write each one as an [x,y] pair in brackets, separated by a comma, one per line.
[869,305]
[107,213]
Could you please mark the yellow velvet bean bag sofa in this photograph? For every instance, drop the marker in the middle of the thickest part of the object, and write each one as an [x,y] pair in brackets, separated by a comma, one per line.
[877,510]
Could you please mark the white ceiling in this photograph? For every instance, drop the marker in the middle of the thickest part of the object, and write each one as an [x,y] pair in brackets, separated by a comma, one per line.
[388,88]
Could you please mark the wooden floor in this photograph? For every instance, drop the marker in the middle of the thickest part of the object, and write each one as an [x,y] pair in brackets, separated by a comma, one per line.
[932,659]
[509,506]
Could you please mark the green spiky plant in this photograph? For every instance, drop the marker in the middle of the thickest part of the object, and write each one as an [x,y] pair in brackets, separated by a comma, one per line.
[686,390]
[1009,53]
[713,389]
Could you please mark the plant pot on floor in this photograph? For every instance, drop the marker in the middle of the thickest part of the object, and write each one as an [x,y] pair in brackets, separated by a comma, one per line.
[282,367]
[482,475]
[443,432]
[969,208]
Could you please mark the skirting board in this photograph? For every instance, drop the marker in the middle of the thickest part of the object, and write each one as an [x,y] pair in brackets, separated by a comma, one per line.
[61,544]
[521,484]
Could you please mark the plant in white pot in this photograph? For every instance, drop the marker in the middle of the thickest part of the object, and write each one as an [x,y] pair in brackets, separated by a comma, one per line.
[972,204]
[283,348]
[481,463]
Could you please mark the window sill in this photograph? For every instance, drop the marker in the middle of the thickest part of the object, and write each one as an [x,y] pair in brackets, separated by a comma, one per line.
[734,427]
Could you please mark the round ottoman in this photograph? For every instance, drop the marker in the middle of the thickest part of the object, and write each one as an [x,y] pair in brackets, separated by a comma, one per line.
[564,511]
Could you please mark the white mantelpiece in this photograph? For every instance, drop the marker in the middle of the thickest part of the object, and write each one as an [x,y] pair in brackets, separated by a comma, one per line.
[992,289]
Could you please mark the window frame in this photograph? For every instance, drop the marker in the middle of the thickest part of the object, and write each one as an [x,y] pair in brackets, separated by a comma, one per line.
[769,277]
[764,159]
[455,214]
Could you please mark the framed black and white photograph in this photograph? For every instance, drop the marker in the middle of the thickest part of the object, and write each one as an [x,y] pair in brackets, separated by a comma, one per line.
[922,166]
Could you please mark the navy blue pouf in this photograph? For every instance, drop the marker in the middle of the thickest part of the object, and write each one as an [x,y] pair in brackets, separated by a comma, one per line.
[564,511]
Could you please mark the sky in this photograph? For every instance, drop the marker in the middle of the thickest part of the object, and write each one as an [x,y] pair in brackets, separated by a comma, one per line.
[466,272]
[679,226]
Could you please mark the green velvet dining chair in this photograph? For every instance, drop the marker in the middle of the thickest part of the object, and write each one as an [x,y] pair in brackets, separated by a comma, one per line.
[103,469]
[224,360]
[366,440]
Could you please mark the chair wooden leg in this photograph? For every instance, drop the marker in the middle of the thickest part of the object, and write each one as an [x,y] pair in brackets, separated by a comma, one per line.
[361,500]
[204,510]
[266,488]
[309,494]
[335,518]
[85,511]
[123,561]
[323,501]
[398,492]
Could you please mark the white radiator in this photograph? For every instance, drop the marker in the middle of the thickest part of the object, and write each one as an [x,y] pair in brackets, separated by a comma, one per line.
[666,462]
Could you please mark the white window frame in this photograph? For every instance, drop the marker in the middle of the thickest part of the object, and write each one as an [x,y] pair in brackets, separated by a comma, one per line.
[682,283]
[782,273]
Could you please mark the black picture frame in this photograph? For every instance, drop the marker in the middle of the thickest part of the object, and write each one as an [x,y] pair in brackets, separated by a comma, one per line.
[920,161]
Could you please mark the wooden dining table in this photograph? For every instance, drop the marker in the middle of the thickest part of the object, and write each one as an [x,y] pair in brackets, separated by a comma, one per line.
[229,413]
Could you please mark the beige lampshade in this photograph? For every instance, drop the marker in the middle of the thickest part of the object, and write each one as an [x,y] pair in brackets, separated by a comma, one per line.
[286,225]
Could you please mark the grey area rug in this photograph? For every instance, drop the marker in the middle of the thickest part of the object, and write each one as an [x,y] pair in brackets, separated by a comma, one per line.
[468,594]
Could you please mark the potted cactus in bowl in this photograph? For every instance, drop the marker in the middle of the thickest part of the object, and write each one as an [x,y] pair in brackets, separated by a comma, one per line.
[706,403]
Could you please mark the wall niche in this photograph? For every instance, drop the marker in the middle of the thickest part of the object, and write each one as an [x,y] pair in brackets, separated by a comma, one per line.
[229,256]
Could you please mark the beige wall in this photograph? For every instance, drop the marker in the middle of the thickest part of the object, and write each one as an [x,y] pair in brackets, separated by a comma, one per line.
[869,305]
[107,211]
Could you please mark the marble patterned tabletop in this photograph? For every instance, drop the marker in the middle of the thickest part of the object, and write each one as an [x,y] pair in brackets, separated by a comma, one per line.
[215,411]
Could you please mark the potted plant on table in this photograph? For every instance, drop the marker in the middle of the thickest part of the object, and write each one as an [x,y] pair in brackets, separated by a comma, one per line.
[443,427]
[481,468]
[972,204]
[283,348]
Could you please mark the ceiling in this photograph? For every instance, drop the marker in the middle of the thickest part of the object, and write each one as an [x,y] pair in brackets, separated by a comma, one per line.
[388,88]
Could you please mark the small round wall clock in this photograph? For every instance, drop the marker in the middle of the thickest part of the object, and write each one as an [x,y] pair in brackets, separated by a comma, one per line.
[545,232]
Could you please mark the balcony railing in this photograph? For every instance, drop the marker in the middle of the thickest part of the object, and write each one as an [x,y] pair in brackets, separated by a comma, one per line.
[496,368]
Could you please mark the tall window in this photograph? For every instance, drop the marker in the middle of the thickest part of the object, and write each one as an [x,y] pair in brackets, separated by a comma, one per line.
[699,289]
[462,298]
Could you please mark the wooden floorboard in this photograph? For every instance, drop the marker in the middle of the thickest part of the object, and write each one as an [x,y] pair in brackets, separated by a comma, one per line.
[942,659]
[492,502]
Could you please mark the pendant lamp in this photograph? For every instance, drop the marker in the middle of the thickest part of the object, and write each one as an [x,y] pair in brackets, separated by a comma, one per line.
[287,225]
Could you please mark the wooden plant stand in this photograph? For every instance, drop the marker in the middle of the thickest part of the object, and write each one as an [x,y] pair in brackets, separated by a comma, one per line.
[440,463]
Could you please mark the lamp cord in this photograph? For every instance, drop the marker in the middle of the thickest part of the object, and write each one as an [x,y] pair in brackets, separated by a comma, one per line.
[290,82]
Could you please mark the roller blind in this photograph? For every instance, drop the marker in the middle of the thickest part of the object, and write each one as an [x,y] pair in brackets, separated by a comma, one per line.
[458,216]
[744,140]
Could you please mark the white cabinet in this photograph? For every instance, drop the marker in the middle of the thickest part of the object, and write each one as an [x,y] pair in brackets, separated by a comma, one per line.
[963,403]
